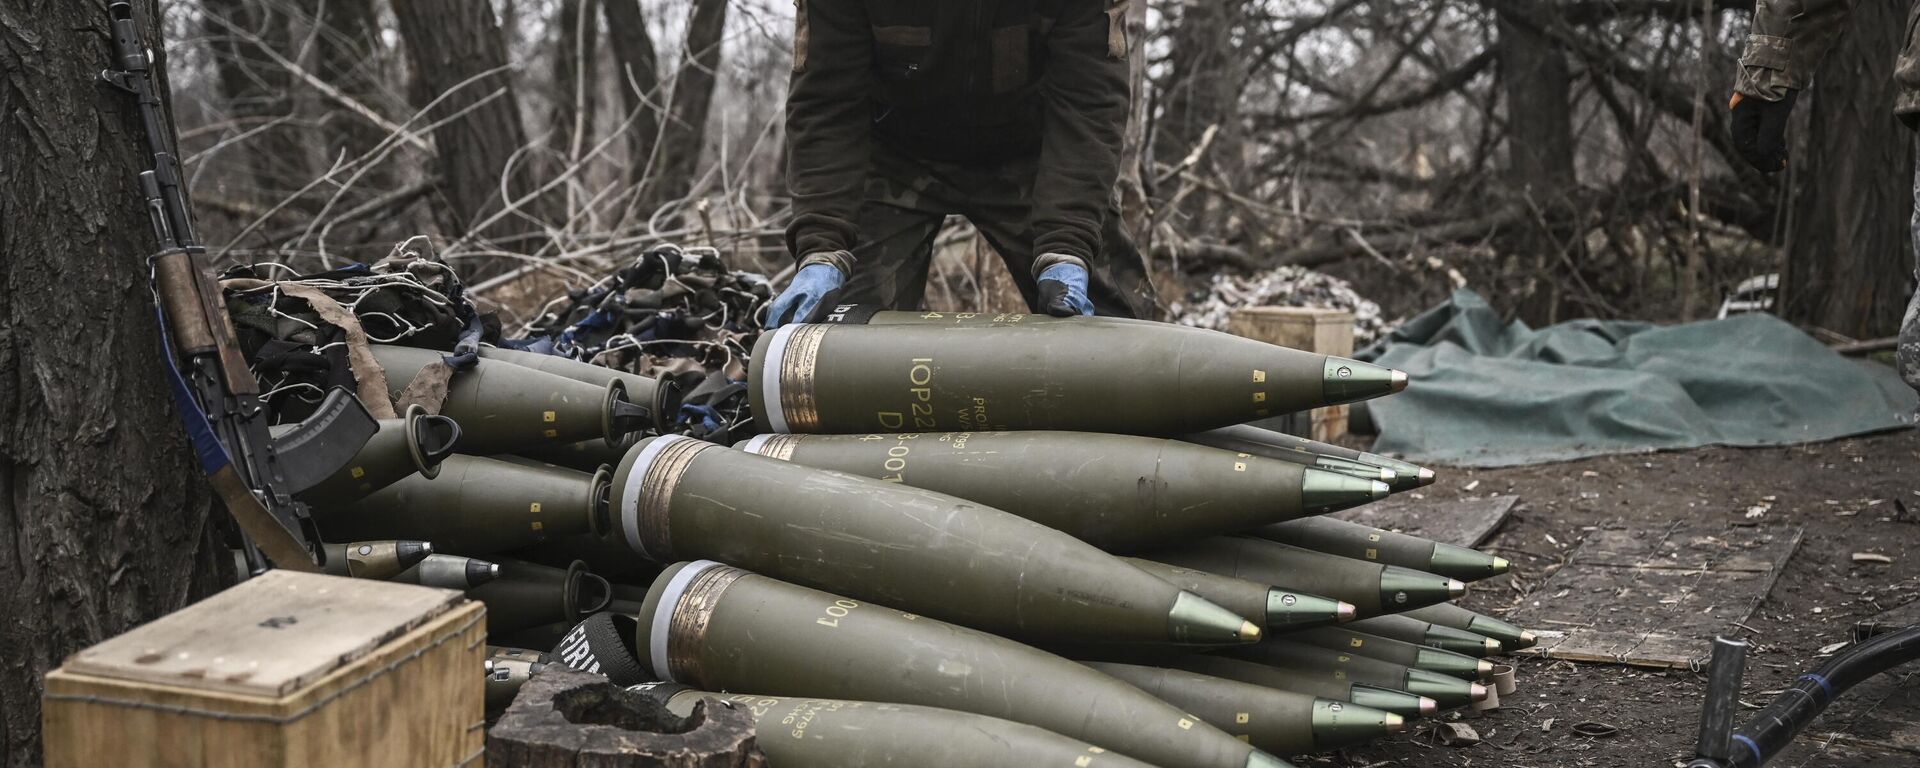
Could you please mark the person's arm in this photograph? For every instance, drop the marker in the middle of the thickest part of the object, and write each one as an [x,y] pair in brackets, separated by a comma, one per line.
[829,117]
[1084,96]
[1786,43]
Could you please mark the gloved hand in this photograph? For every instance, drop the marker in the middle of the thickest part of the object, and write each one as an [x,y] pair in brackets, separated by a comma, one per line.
[809,288]
[1063,291]
[1760,130]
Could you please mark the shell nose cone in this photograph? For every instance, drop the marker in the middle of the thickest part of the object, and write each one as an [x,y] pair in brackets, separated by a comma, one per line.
[1194,620]
[1492,646]
[1429,707]
[1501,565]
[1395,723]
[1426,476]
[1346,381]
[1346,612]
[1478,692]
[1324,491]
[1483,670]
[1456,588]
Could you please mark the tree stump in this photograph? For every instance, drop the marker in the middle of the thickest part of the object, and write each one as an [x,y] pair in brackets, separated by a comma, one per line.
[565,718]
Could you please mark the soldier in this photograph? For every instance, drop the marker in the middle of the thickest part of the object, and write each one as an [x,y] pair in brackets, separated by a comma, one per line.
[1787,42]
[1007,113]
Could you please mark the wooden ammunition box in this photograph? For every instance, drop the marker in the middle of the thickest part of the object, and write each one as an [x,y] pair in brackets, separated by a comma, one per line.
[286,669]
[1320,331]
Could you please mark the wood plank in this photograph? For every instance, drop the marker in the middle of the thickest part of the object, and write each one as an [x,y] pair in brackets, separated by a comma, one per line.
[414,701]
[1462,522]
[267,636]
[1655,598]
[1321,331]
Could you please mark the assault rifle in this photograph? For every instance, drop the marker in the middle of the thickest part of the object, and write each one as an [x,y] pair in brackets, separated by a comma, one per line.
[255,473]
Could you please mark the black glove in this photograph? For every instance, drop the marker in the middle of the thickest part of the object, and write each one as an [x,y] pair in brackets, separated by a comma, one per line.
[1760,130]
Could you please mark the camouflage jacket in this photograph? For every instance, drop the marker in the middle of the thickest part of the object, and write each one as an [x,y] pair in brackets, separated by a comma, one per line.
[959,81]
[1790,37]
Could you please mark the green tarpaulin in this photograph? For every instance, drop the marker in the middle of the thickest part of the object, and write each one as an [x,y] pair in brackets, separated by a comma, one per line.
[1488,393]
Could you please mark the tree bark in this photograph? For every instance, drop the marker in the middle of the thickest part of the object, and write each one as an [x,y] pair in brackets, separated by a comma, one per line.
[1540,150]
[256,92]
[639,81]
[449,42]
[1536,81]
[683,135]
[1849,255]
[349,52]
[577,24]
[1202,90]
[565,718]
[105,520]
[1135,211]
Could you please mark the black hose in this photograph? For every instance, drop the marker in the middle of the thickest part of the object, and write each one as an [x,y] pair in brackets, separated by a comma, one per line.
[1792,711]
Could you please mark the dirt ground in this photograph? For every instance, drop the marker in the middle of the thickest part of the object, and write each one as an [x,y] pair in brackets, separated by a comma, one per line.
[1857,495]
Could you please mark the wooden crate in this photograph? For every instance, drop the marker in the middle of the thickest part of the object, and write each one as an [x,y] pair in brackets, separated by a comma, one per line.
[1321,331]
[286,669]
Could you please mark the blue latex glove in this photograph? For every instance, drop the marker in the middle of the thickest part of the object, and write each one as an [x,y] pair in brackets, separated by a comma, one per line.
[810,286]
[1063,291]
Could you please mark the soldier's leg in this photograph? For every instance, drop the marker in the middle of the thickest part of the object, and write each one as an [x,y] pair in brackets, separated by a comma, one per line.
[890,263]
[898,223]
[997,204]
[1907,354]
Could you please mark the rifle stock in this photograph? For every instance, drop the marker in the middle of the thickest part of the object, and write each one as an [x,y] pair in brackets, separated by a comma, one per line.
[218,398]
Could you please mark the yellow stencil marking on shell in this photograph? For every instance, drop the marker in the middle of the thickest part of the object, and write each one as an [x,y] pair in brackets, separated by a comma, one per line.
[1375,536]
[1259,377]
[1259,397]
[1356,642]
[1239,466]
[1185,724]
[553,433]
[1245,737]
[1083,761]
[359,472]
[536,525]
[1241,718]
[548,417]
[1339,674]
[1373,553]
[1097,750]
[534,507]
[1343,658]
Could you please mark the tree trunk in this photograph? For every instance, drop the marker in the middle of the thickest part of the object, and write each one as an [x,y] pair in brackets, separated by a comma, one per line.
[1202,91]
[1540,150]
[1135,211]
[683,136]
[450,42]
[1849,256]
[639,81]
[349,53]
[565,718]
[577,25]
[256,92]
[106,521]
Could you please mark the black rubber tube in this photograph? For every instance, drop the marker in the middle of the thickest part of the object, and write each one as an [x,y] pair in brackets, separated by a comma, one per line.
[1792,711]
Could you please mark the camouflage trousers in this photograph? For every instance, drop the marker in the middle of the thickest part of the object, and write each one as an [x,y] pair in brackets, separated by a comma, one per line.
[1907,354]
[907,201]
